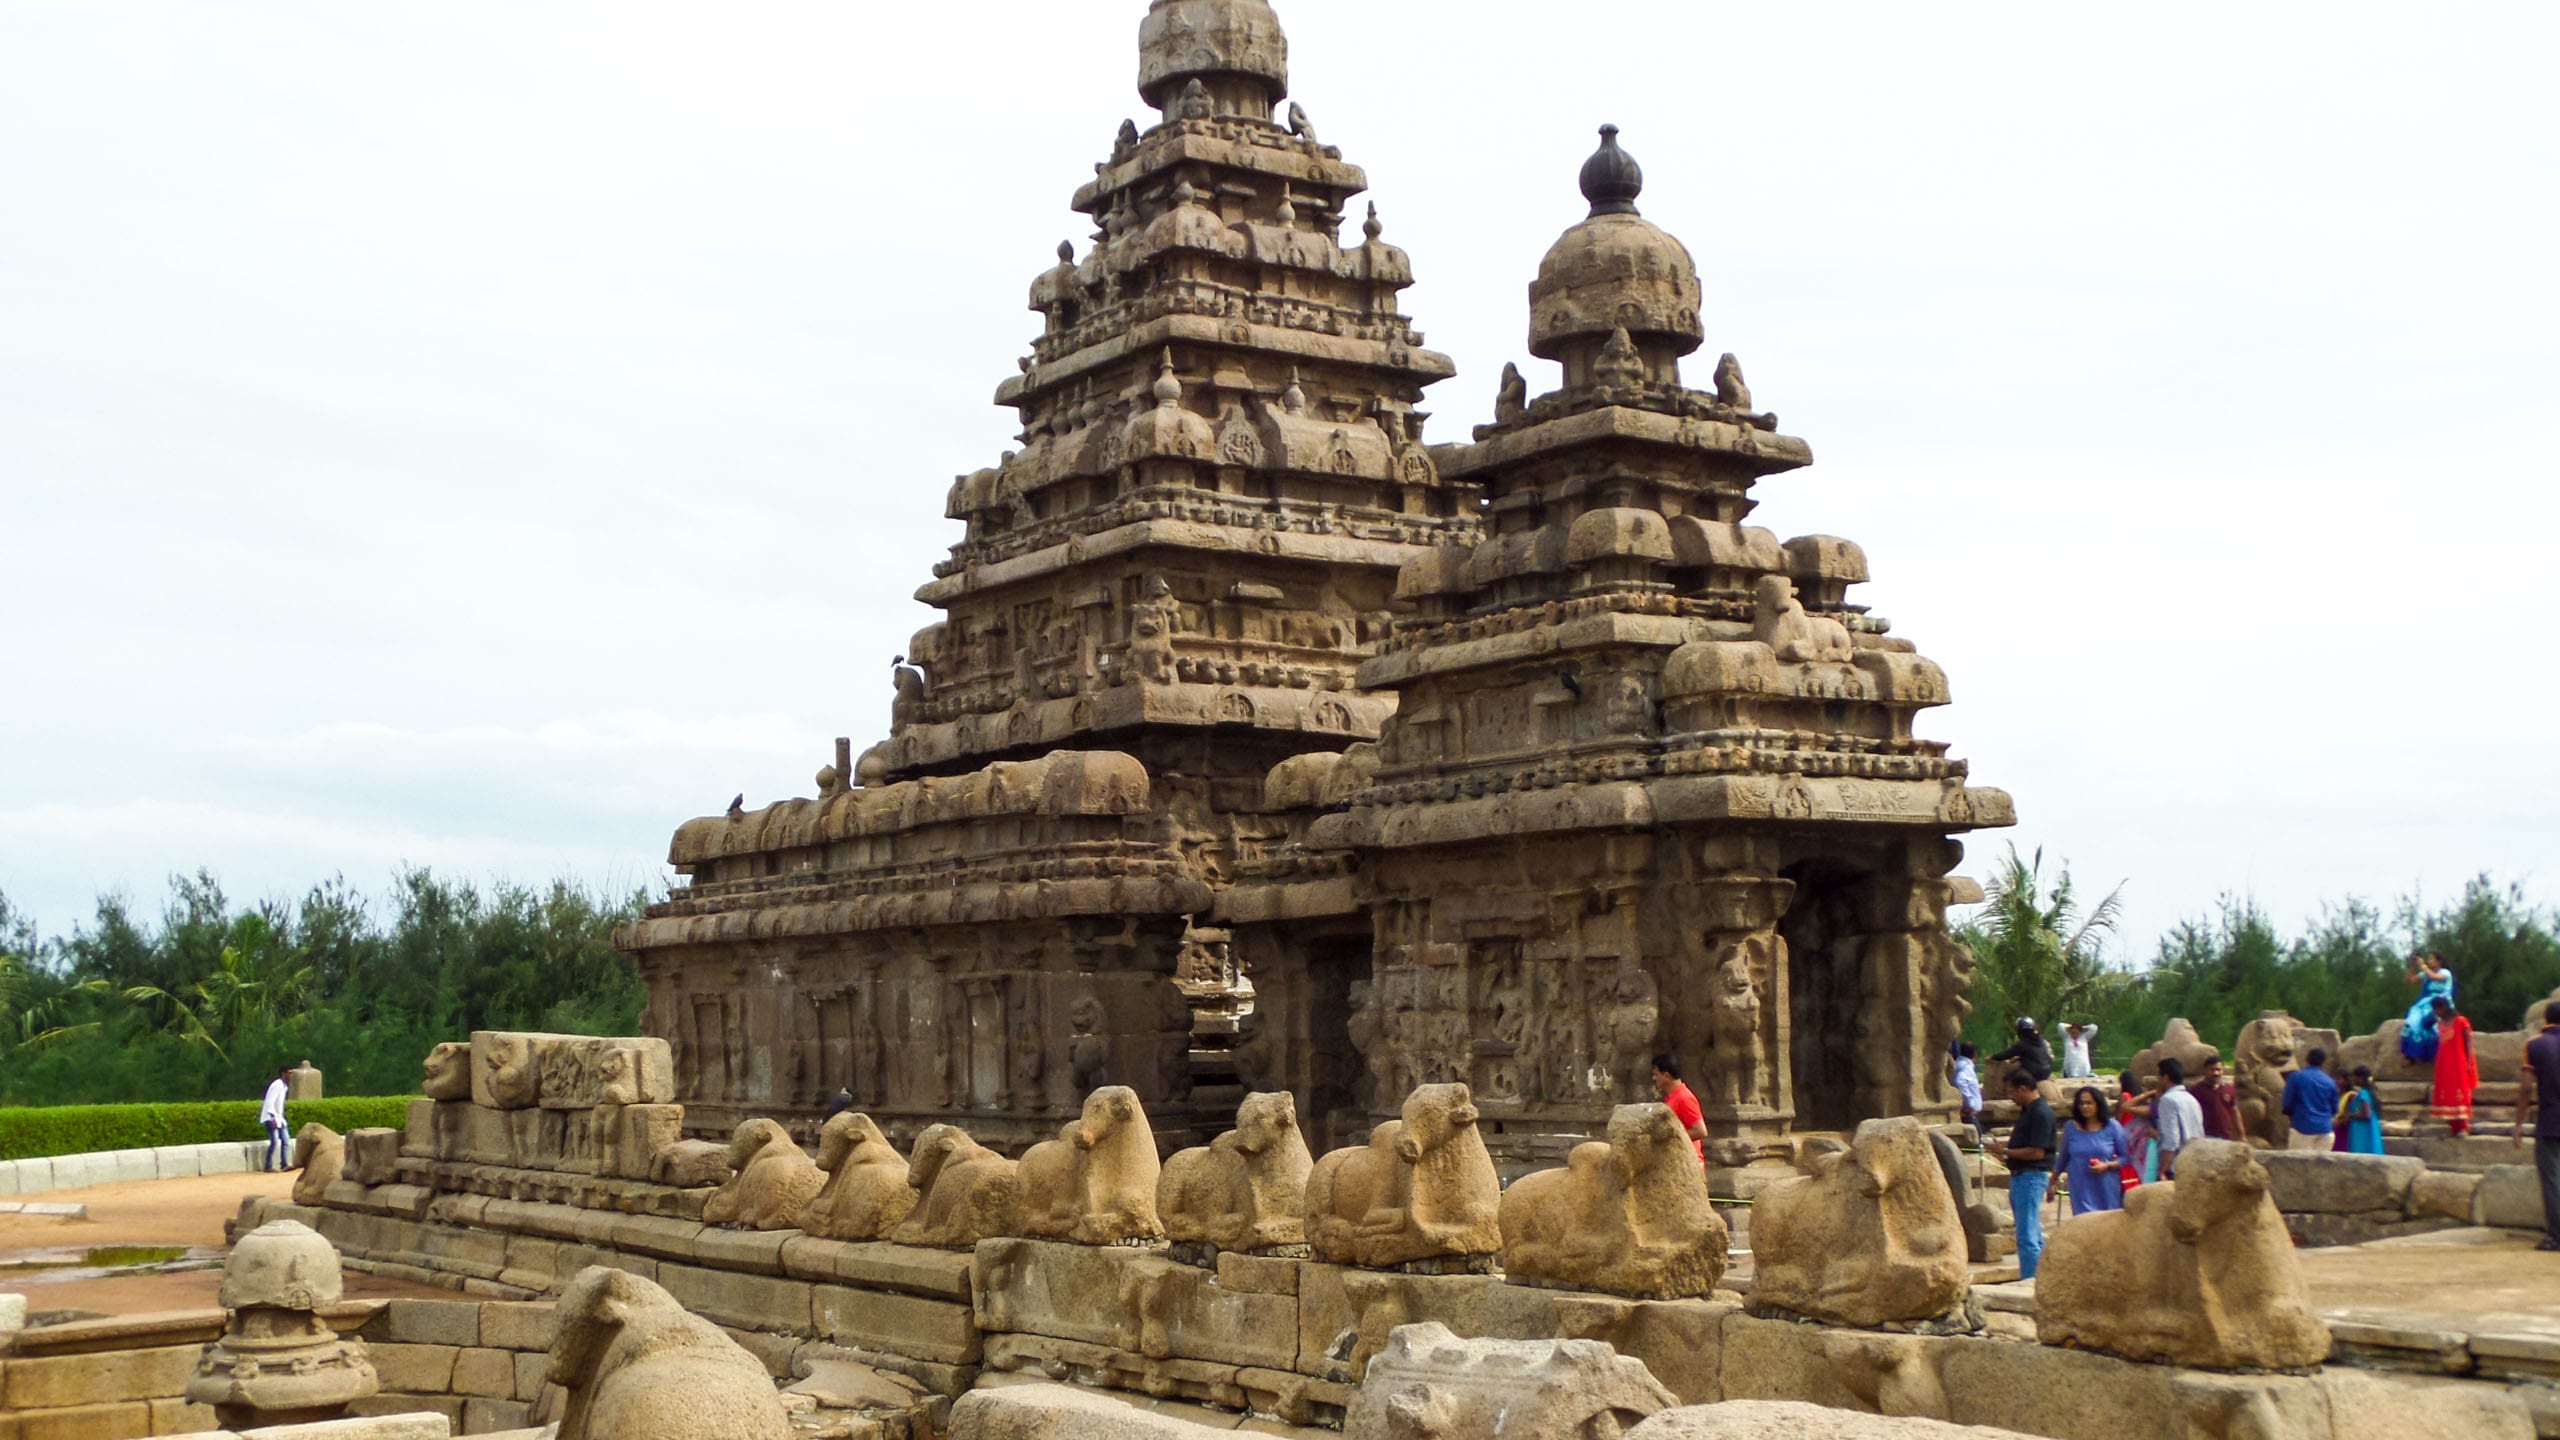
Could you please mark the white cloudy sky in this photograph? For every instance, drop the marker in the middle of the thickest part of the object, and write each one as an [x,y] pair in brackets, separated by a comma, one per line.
[483,435]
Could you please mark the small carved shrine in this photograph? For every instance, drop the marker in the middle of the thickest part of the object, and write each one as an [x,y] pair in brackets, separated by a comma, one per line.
[1507,763]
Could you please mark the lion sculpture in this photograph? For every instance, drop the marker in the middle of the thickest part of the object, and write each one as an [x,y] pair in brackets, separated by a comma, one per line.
[1422,1190]
[1625,1216]
[866,1193]
[1096,1183]
[1246,1190]
[775,1180]
[636,1366]
[2195,1271]
[1872,1237]
[965,1192]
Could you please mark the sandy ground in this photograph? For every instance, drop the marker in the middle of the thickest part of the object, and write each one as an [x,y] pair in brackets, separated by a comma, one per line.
[148,1212]
[2474,1281]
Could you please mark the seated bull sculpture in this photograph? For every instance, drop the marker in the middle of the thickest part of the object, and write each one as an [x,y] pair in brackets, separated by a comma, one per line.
[775,1180]
[965,1192]
[2195,1271]
[1245,1191]
[1422,1190]
[1625,1216]
[866,1193]
[320,1155]
[636,1366]
[1096,1183]
[1871,1238]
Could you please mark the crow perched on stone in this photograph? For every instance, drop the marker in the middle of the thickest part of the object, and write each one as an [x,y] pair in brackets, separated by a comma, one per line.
[738,806]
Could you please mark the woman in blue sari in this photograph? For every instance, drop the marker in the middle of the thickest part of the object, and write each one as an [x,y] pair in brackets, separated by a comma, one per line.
[2361,1115]
[2093,1154]
[2434,980]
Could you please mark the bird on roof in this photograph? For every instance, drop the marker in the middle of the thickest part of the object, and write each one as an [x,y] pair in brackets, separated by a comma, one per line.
[738,806]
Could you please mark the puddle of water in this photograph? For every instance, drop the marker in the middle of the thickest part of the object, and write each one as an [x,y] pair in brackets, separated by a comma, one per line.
[101,1260]
[116,1257]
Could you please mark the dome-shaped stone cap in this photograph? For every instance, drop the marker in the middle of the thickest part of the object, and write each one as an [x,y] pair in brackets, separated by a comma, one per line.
[1184,40]
[284,1264]
[1614,269]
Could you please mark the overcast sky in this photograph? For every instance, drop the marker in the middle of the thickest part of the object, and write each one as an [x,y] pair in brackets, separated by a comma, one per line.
[484,435]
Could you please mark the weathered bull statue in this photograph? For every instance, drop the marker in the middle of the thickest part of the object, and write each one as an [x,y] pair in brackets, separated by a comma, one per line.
[1872,1237]
[775,1180]
[1625,1216]
[1245,1190]
[965,1192]
[1096,1183]
[866,1193]
[1423,1189]
[636,1366]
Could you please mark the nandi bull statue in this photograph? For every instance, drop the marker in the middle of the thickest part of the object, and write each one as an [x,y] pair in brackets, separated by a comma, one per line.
[1096,1183]
[774,1180]
[1246,1190]
[2194,1271]
[1422,1192]
[1625,1216]
[636,1366]
[1870,1238]
[866,1193]
[965,1192]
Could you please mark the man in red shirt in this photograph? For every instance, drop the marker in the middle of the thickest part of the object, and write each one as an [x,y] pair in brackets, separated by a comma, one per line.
[1684,1105]
[2219,1099]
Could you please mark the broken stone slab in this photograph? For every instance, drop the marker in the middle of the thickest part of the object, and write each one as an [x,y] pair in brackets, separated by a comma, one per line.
[1796,1420]
[1048,1411]
[1427,1381]
[2330,1183]
[44,1210]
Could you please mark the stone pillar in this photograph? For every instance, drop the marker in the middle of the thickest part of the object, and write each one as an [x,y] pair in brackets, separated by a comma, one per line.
[302,1082]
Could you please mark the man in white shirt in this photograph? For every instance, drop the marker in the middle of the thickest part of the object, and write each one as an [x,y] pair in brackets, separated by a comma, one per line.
[2175,1116]
[2075,1051]
[271,1115]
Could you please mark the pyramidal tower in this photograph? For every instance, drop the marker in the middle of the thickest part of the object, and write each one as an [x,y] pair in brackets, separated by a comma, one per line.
[1165,592]
[1513,763]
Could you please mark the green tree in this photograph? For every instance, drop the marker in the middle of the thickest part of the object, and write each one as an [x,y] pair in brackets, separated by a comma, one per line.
[2037,952]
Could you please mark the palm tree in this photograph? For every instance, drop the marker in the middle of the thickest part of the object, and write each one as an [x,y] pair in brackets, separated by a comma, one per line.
[2037,953]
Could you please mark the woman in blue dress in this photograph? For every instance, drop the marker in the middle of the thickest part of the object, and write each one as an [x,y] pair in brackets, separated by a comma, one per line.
[2093,1154]
[2361,1115]
[2433,978]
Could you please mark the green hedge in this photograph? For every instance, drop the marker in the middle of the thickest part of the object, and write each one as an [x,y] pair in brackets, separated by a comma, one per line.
[27,1132]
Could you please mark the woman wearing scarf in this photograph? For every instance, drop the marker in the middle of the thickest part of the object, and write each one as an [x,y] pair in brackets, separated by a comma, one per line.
[2457,1069]
[2434,980]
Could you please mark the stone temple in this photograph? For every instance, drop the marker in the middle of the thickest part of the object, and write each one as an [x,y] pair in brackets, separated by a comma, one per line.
[1508,762]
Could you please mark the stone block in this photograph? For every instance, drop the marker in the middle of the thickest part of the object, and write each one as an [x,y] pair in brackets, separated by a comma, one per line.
[634,1134]
[2515,1356]
[2508,1197]
[177,1162]
[533,1369]
[1368,1304]
[182,1417]
[942,1331]
[878,1265]
[759,1251]
[1061,1412]
[50,1382]
[1500,1389]
[1838,1369]
[1185,1312]
[413,1369]
[1257,1275]
[120,1421]
[123,1166]
[660,1235]
[2380,1343]
[1071,1292]
[591,1071]
[2062,1394]
[524,1325]
[491,1417]
[2443,1193]
[1790,1420]
[373,1155]
[9,1177]
[482,1371]
[411,1408]
[1680,1341]
[13,1315]
[429,1322]
[429,1425]
[740,1302]
[2332,1183]
[2367,1406]
[1292,1398]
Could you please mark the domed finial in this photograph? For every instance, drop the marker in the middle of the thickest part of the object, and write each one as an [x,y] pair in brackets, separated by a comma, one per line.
[1183,194]
[1168,389]
[1294,399]
[1373,229]
[1288,214]
[1611,178]
[1066,252]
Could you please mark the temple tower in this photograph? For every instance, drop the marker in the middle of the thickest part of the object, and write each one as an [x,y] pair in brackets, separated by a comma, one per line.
[1652,782]
[1166,591]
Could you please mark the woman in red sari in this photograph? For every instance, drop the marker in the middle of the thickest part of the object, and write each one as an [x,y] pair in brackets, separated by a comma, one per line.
[2457,1069]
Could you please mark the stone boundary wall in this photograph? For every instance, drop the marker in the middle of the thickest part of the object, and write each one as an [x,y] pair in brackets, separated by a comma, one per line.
[479,1365]
[1287,1340]
[42,1173]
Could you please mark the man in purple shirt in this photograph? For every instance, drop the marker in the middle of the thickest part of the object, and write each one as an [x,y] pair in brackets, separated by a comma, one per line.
[2539,1086]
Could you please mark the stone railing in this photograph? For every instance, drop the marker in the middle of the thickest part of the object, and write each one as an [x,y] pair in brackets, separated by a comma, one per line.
[43,1173]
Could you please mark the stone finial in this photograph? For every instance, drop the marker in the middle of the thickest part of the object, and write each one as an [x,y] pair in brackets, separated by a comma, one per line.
[1423,1191]
[1871,1238]
[1096,1183]
[636,1366]
[278,1362]
[302,1082]
[1428,1382]
[1611,178]
[775,1179]
[1626,1216]
[1246,1190]
[1230,43]
[2198,1271]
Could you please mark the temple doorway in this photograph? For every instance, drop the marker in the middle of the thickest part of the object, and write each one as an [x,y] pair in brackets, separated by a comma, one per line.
[1824,996]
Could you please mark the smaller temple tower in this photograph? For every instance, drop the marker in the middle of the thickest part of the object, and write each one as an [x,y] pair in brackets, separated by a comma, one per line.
[1652,782]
